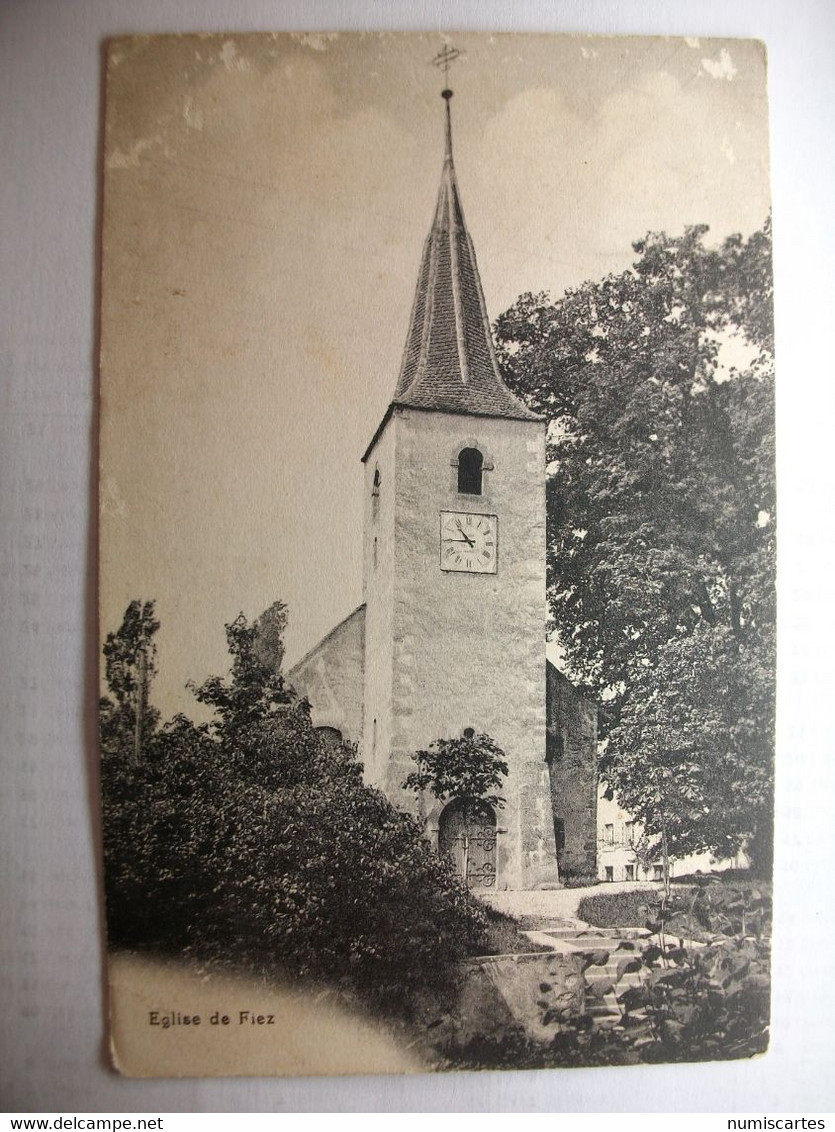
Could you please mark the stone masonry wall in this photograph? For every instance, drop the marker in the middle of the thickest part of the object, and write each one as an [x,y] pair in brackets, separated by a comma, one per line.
[572,727]
[331,677]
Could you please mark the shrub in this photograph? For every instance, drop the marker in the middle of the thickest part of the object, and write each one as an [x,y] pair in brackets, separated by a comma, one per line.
[735,907]
[253,841]
[697,1004]
[471,766]
[315,874]
[617,909]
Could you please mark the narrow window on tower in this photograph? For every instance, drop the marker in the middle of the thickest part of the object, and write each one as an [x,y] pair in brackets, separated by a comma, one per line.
[470,467]
[375,494]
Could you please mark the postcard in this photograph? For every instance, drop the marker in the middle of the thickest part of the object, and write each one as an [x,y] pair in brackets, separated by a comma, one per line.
[437,525]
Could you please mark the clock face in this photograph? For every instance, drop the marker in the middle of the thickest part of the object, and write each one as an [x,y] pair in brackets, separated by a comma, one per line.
[469,542]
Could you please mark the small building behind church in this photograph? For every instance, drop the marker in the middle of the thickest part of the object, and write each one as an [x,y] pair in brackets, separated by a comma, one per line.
[622,854]
[451,631]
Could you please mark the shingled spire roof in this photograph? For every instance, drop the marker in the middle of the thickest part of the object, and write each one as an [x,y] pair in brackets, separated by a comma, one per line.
[449,364]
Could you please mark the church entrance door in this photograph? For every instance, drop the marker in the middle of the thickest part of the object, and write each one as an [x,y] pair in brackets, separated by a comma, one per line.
[467,834]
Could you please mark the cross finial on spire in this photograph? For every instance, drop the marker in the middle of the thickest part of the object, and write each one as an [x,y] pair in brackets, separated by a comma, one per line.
[443,59]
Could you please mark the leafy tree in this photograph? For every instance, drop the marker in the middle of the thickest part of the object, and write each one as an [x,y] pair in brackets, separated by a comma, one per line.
[658,386]
[269,638]
[471,766]
[254,688]
[126,716]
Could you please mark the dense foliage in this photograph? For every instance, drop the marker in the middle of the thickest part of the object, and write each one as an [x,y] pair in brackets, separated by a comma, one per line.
[470,766]
[658,388]
[696,999]
[254,840]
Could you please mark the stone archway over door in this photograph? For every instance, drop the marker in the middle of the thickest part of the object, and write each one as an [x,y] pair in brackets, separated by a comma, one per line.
[467,834]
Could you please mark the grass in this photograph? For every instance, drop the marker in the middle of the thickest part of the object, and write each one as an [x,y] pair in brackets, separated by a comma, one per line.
[504,936]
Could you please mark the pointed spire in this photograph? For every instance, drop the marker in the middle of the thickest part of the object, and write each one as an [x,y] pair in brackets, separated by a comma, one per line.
[446,95]
[449,363]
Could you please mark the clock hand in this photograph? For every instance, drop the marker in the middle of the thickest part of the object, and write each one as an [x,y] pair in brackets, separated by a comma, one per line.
[461,529]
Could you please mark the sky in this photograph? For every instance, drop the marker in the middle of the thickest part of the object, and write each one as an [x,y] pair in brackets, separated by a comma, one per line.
[266,199]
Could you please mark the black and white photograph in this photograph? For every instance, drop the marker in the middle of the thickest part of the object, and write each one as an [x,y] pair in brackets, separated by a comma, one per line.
[437,552]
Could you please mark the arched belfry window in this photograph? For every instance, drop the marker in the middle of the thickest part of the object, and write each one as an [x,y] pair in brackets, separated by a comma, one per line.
[470,467]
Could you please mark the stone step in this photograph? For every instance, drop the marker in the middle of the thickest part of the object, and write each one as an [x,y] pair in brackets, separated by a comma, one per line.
[603,1011]
[570,931]
[600,1007]
[582,941]
[610,972]
[594,973]
[592,936]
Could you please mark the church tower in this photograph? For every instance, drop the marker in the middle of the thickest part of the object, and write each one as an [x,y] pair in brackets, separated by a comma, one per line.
[454,562]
